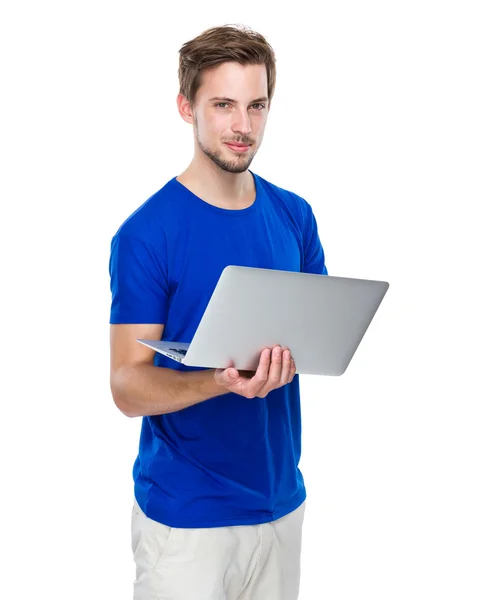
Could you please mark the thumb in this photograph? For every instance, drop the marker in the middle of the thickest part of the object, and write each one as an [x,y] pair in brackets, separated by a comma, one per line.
[231,374]
[225,376]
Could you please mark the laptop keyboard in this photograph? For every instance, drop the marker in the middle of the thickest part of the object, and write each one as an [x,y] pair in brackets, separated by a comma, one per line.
[183,352]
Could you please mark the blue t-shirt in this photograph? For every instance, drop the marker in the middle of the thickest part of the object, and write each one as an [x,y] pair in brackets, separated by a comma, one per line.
[228,460]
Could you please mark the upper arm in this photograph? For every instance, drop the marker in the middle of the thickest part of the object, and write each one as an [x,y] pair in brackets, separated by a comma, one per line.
[314,259]
[140,293]
[126,353]
[138,281]
[125,350]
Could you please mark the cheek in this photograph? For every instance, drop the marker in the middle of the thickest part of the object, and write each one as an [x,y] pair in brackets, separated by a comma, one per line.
[213,126]
[258,128]
[263,121]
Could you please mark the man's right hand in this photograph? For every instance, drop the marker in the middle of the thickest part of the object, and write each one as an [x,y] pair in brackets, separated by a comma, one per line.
[276,368]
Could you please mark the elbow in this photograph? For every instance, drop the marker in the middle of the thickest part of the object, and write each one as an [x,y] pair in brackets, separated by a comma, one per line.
[119,390]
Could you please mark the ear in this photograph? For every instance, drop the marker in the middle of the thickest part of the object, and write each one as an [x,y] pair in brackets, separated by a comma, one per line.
[185,109]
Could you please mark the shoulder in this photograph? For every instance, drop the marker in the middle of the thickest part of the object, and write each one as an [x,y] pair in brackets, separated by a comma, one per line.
[293,202]
[153,216]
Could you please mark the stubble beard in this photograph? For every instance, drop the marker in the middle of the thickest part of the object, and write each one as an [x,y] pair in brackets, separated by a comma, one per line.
[239,165]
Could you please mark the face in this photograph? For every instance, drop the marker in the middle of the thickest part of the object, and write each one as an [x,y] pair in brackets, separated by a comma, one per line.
[230,114]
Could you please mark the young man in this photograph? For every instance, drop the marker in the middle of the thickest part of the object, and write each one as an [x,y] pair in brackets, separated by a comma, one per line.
[219,499]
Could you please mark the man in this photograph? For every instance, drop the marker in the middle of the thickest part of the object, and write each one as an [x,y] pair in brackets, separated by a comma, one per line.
[219,499]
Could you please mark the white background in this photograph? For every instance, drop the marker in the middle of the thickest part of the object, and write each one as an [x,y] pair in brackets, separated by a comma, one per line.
[376,122]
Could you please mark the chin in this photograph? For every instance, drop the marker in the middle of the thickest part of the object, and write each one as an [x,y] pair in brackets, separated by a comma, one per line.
[239,167]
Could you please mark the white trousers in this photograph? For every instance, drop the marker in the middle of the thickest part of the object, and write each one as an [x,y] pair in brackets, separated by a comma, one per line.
[242,562]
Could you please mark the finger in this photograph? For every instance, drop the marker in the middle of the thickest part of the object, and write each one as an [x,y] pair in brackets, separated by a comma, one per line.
[275,372]
[227,377]
[232,374]
[275,368]
[293,370]
[286,367]
[262,374]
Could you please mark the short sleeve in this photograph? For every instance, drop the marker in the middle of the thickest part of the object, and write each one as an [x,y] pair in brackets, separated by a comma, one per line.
[138,281]
[313,259]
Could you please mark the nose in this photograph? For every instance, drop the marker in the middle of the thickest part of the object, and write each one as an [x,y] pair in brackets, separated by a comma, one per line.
[242,122]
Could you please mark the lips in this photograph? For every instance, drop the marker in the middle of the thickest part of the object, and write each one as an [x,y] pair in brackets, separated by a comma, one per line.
[237,147]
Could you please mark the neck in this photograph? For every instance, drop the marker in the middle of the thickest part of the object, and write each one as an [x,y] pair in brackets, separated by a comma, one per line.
[218,187]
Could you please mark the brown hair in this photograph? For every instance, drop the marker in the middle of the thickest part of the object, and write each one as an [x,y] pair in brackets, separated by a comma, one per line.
[217,45]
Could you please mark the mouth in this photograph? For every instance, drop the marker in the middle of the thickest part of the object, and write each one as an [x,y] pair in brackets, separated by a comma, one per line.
[238,148]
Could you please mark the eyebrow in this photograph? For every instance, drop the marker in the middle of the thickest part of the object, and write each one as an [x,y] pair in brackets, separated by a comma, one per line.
[232,101]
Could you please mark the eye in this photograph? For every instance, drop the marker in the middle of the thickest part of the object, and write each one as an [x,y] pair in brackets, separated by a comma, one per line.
[260,106]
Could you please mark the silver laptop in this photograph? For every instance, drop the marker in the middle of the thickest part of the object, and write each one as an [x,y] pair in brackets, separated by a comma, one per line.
[320,318]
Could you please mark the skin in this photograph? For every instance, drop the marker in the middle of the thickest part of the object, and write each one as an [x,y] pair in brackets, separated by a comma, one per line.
[216,173]
[219,176]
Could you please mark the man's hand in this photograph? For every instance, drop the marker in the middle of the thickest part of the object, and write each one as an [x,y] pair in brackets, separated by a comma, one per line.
[276,368]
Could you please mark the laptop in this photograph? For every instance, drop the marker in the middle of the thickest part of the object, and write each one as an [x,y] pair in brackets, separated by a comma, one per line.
[320,318]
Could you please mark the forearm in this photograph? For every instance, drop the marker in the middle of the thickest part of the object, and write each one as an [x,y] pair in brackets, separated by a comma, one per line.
[145,390]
